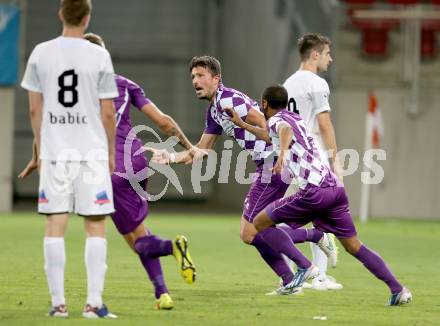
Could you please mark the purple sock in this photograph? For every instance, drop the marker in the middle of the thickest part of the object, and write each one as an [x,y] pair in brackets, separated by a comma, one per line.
[280,241]
[153,246]
[375,264]
[302,235]
[273,259]
[154,271]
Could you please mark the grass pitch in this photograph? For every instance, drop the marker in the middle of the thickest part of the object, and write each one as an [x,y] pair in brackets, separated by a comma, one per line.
[232,279]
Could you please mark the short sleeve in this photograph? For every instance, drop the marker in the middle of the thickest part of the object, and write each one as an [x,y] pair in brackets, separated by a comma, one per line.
[281,123]
[211,126]
[137,95]
[31,80]
[106,82]
[272,125]
[320,95]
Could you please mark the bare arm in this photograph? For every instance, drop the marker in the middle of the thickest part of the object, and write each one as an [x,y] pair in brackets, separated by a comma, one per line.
[166,124]
[162,156]
[329,139]
[36,115]
[207,141]
[109,121]
[33,163]
[285,134]
[254,123]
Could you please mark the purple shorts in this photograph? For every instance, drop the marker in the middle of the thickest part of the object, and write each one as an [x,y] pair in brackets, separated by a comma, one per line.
[130,208]
[327,208]
[262,193]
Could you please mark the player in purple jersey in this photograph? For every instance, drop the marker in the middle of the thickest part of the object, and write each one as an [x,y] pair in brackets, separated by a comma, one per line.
[321,199]
[130,208]
[206,79]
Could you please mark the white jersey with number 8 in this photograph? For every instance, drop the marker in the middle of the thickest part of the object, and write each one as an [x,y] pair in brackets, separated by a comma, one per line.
[73,75]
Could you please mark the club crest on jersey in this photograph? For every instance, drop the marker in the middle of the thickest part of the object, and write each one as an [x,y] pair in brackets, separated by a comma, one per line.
[42,197]
[101,198]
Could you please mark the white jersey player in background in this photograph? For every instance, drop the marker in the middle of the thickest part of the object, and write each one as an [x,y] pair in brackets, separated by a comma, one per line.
[71,89]
[308,96]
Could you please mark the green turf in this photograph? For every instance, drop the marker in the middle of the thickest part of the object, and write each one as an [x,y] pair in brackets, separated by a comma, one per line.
[232,279]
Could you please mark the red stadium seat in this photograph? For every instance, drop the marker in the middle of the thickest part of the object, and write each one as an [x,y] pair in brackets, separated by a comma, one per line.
[403,2]
[428,46]
[360,2]
[436,2]
[374,35]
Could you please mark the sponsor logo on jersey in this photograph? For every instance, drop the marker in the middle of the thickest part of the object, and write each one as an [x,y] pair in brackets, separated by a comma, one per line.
[67,119]
[101,198]
[42,197]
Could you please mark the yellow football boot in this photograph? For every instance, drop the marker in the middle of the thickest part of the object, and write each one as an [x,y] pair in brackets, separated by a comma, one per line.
[164,302]
[186,266]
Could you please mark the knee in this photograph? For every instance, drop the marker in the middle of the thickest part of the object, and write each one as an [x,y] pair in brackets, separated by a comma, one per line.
[258,224]
[55,226]
[262,222]
[131,241]
[246,237]
[95,227]
[352,247]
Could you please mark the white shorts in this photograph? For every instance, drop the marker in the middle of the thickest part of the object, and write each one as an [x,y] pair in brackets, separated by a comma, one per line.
[84,188]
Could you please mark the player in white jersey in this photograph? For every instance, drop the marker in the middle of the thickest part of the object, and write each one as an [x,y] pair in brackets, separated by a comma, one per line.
[71,89]
[308,96]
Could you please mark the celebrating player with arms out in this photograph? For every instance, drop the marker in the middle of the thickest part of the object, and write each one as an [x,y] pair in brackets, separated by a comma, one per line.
[321,198]
[71,90]
[308,96]
[206,79]
[130,208]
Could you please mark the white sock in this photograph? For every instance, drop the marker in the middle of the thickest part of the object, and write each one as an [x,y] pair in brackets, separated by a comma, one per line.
[95,257]
[54,262]
[319,259]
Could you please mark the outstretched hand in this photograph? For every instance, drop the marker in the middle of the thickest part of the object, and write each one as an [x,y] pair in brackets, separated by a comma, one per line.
[29,169]
[197,154]
[160,156]
[338,169]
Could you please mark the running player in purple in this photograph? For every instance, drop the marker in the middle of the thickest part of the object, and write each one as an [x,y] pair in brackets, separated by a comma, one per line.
[321,199]
[130,208]
[206,79]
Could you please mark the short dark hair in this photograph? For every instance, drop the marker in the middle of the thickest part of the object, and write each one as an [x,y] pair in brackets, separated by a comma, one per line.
[276,97]
[95,39]
[211,63]
[74,11]
[310,42]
